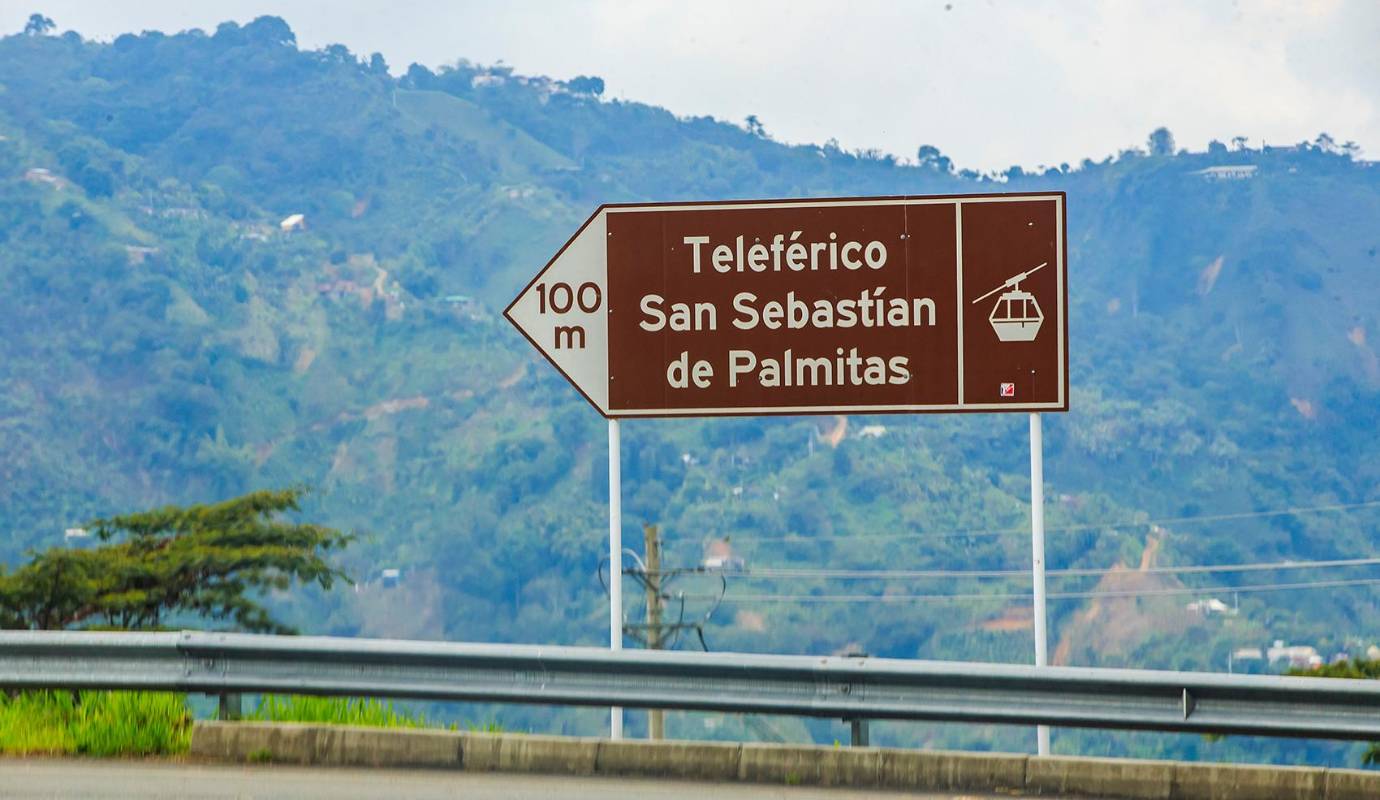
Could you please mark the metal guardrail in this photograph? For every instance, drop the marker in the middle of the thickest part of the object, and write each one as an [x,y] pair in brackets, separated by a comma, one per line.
[844,688]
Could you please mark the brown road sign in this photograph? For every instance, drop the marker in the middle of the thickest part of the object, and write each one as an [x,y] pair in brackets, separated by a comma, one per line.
[862,305]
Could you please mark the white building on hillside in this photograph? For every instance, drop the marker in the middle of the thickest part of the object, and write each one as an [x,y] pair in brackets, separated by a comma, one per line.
[1299,656]
[1237,172]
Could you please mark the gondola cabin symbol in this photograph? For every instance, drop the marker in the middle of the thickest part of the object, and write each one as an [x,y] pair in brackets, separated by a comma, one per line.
[1017,316]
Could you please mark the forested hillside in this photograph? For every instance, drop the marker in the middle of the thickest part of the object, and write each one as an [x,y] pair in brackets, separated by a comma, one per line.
[170,334]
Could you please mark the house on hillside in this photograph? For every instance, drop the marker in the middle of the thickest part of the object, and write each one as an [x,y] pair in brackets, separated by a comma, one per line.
[137,255]
[718,554]
[257,232]
[872,432]
[1245,659]
[344,287]
[293,222]
[41,175]
[1297,656]
[465,307]
[1238,172]
[1210,606]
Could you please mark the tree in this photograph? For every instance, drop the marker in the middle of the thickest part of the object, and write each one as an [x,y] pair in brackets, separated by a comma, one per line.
[929,157]
[270,31]
[1161,142]
[39,25]
[418,77]
[96,181]
[204,560]
[586,84]
[338,54]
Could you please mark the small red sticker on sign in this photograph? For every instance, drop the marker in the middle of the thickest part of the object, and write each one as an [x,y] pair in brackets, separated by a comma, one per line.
[1008,390]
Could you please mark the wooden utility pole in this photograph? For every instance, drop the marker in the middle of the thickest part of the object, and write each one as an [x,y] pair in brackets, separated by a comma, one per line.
[656,723]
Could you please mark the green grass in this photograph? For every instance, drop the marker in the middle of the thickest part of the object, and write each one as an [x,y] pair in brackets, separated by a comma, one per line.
[95,723]
[492,726]
[336,711]
[261,756]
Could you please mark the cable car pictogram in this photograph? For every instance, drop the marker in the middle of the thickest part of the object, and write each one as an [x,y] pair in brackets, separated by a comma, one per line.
[1017,316]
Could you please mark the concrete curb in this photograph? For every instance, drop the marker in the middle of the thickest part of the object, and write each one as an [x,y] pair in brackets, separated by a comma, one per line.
[861,767]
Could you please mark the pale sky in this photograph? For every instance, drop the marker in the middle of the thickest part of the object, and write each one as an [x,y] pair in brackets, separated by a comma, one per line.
[990,83]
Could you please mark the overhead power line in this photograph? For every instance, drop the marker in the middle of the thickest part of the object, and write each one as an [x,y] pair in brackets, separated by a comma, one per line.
[904,574]
[961,533]
[1111,593]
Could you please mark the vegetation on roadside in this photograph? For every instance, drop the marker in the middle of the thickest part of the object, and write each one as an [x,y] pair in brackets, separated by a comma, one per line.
[119,723]
[366,711]
[1350,668]
[94,723]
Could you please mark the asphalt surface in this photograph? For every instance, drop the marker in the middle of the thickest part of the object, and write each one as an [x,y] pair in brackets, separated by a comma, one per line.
[70,778]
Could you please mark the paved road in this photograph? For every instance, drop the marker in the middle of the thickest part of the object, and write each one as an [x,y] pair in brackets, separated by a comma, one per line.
[67,778]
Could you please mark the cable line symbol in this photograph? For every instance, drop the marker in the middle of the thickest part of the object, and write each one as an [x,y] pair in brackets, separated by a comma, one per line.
[1017,316]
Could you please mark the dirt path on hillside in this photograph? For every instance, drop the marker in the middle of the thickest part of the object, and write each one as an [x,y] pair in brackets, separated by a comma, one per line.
[836,434]
[515,376]
[1096,607]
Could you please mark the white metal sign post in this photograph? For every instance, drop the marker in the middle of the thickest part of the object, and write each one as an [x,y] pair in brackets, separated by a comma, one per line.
[1037,558]
[615,560]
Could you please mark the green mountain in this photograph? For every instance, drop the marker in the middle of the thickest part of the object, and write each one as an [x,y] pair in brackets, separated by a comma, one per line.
[168,335]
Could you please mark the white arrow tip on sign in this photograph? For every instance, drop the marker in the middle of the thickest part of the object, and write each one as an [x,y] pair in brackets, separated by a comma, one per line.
[564,311]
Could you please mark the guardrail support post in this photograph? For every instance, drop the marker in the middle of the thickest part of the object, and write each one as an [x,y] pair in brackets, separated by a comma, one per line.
[860,734]
[231,706]
[857,727]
